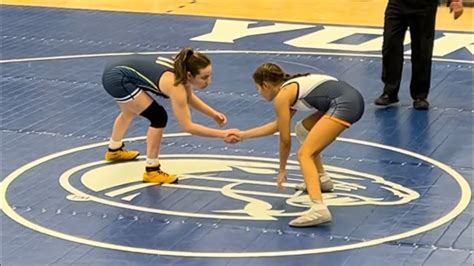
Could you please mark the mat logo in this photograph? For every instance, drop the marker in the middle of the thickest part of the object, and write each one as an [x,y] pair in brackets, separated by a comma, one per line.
[334,38]
[241,188]
[225,187]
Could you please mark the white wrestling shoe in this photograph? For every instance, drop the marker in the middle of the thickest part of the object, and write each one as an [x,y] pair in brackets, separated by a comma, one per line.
[325,183]
[317,214]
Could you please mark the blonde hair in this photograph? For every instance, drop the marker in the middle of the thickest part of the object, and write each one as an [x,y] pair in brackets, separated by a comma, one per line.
[188,60]
[272,73]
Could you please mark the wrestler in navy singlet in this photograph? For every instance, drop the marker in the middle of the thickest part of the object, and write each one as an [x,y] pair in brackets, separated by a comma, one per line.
[126,77]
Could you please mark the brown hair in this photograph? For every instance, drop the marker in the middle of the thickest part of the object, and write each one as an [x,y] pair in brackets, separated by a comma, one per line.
[188,60]
[273,74]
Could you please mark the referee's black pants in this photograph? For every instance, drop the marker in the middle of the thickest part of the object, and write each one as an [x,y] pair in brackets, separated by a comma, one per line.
[421,22]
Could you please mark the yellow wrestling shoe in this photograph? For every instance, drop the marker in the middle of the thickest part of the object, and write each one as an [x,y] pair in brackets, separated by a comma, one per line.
[155,175]
[121,154]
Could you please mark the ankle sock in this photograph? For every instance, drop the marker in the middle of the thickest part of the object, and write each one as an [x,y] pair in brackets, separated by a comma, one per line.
[115,145]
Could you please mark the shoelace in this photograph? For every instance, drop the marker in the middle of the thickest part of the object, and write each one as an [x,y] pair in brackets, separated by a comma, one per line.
[163,173]
[313,215]
[310,216]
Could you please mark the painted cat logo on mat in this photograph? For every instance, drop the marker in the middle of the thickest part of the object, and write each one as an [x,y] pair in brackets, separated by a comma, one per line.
[231,187]
[225,187]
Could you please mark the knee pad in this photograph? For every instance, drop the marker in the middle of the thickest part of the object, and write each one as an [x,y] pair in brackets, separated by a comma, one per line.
[300,131]
[156,114]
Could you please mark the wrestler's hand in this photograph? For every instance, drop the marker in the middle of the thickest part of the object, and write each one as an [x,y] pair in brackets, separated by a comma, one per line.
[233,136]
[281,179]
[456,7]
[220,119]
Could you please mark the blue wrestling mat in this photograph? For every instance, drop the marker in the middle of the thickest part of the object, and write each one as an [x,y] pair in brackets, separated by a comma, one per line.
[402,177]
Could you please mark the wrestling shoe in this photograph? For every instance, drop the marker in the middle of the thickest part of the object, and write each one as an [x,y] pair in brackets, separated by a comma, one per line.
[121,154]
[325,183]
[317,214]
[155,175]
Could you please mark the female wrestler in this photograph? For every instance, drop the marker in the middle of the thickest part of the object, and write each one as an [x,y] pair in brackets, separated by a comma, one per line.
[334,106]
[130,81]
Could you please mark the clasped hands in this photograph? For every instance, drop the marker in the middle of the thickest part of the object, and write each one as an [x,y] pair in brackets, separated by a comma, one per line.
[233,136]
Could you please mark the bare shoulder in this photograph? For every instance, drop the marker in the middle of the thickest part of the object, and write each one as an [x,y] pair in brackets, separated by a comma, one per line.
[287,94]
[168,75]
[166,84]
